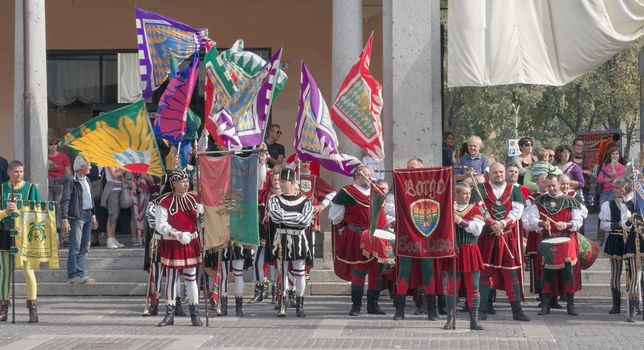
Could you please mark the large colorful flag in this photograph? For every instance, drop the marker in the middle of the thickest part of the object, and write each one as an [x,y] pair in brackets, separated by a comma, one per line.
[245,89]
[357,106]
[639,193]
[229,191]
[122,138]
[172,113]
[315,138]
[226,130]
[161,41]
[424,212]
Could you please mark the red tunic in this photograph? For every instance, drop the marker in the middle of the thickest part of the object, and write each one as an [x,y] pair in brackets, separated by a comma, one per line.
[346,236]
[173,254]
[469,257]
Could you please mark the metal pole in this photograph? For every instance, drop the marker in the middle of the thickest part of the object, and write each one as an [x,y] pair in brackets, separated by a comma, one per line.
[27,90]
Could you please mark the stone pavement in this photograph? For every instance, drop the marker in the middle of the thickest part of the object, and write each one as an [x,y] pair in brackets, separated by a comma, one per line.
[116,323]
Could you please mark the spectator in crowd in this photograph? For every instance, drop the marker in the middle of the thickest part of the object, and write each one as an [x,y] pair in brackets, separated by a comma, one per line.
[474,159]
[551,155]
[140,187]
[563,159]
[541,166]
[110,200]
[276,151]
[526,157]
[604,145]
[578,155]
[512,177]
[78,220]
[449,145]
[612,168]
[58,167]
[4,168]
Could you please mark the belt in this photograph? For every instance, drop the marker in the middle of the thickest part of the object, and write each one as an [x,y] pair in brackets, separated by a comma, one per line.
[354,228]
[288,231]
[170,238]
[616,232]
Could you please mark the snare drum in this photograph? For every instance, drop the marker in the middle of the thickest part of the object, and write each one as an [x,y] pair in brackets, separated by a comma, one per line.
[557,251]
[588,252]
[379,245]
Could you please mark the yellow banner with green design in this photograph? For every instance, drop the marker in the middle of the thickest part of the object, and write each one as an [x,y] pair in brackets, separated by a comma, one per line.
[36,237]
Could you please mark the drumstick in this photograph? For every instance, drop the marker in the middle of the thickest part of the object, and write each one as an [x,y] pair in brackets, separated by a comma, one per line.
[549,219]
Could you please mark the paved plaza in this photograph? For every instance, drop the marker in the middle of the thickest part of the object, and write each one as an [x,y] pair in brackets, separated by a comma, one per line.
[116,323]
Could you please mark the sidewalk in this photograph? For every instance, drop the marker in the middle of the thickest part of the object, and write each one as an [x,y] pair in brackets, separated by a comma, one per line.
[116,323]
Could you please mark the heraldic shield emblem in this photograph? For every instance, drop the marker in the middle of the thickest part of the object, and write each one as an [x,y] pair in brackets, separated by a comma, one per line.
[425,214]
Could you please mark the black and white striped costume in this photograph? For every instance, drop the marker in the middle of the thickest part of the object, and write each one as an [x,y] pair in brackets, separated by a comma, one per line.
[291,214]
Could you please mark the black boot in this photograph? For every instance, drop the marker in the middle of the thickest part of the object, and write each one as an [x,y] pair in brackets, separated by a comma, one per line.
[400,308]
[617,301]
[483,310]
[33,311]
[570,307]
[299,306]
[194,315]
[273,294]
[517,312]
[545,305]
[490,302]
[421,305]
[239,302]
[223,306]
[475,321]
[631,310]
[372,304]
[554,303]
[153,309]
[168,319]
[178,309]
[356,302]
[4,310]
[259,293]
[291,299]
[449,324]
[432,312]
[442,305]
[265,294]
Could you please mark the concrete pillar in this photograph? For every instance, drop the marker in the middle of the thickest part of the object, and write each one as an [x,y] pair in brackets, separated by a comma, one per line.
[18,85]
[412,81]
[346,47]
[33,58]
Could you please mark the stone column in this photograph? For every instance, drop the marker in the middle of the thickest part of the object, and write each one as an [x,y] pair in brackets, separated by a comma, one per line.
[33,141]
[346,47]
[18,85]
[412,81]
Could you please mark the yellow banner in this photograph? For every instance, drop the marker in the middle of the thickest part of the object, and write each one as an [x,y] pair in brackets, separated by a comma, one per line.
[37,240]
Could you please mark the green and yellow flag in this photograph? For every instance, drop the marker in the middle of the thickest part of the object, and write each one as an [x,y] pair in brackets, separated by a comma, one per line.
[122,138]
[36,238]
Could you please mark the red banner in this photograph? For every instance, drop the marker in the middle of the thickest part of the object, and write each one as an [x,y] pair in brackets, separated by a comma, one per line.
[424,212]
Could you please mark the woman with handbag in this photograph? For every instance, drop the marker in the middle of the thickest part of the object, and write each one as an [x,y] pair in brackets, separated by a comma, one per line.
[111,200]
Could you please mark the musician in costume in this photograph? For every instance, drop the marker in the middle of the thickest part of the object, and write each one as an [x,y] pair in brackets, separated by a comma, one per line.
[469,220]
[292,213]
[500,242]
[557,215]
[616,219]
[180,246]
[16,189]
[349,213]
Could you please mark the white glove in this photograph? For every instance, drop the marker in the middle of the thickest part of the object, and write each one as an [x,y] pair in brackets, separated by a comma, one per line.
[185,238]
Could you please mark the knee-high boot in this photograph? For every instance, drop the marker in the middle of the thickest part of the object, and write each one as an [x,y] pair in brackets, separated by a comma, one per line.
[4,310]
[570,307]
[356,302]
[168,319]
[178,308]
[517,312]
[400,308]
[372,303]
[617,301]
[239,302]
[432,312]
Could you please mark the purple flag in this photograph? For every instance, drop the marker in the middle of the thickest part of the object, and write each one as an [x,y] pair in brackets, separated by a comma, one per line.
[162,40]
[315,138]
[226,129]
[172,112]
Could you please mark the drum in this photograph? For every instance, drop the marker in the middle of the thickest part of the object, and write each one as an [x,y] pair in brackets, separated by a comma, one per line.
[557,251]
[588,252]
[380,246]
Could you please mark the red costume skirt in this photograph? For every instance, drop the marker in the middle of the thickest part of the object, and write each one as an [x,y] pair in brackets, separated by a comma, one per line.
[468,259]
[348,252]
[178,256]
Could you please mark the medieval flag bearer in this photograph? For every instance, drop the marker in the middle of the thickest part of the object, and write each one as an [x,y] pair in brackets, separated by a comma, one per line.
[557,215]
[292,214]
[180,246]
[500,241]
[469,221]
[16,189]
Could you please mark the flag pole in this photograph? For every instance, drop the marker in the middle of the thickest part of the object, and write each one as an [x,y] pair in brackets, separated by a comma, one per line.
[454,262]
[202,276]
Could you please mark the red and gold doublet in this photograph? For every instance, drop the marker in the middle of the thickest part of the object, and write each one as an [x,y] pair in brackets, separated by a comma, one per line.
[182,216]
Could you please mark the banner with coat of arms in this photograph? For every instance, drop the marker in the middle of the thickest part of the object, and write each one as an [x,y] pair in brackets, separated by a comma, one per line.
[424,212]
[36,239]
